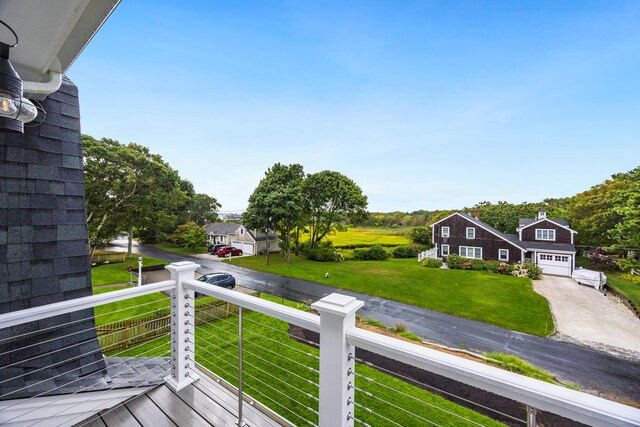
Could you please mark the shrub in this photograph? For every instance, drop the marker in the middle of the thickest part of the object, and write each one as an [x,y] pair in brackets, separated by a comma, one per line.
[492,266]
[477,264]
[404,252]
[455,262]
[400,327]
[527,269]
[433,263]
[626,264]
[374,253]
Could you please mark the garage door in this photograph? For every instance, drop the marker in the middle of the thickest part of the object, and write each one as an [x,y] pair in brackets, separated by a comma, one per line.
[246,248]
[558,265]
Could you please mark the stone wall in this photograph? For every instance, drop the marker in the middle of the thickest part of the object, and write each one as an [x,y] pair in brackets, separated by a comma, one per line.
[44,254]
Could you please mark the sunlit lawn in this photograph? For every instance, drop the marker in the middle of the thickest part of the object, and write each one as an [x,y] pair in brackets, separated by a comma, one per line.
[180,250]
[108,274]
[505,301]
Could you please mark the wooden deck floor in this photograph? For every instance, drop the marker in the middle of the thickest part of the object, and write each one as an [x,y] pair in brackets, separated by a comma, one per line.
[204,403]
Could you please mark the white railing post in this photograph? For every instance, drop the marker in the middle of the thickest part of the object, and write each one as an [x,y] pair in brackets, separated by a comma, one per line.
[337,380]
[182,327]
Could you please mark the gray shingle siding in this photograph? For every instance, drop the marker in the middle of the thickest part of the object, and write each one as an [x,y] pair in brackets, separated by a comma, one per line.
[43,240]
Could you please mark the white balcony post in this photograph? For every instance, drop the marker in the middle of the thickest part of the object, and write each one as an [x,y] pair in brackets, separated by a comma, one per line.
[337,380]
[182,327]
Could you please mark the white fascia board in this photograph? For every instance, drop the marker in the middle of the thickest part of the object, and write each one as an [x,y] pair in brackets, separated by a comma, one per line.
[554,251]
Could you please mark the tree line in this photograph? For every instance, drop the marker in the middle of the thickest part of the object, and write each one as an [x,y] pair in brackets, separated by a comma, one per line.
[127,187]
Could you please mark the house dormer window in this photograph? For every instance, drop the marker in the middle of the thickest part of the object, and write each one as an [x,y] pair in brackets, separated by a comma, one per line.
[471,232]
[445,231]
[241,231]
[545,234]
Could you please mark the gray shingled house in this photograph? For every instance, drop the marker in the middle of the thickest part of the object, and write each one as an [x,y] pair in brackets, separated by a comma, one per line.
[543,241]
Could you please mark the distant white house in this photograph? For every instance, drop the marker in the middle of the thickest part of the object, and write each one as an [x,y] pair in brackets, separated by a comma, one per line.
[251,242]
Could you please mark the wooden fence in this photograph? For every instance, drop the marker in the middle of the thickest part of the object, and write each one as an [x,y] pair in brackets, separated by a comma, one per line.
[129,332]
[104,258]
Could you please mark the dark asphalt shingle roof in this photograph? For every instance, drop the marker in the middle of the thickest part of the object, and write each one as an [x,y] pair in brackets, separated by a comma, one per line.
[549,246]
[221,228]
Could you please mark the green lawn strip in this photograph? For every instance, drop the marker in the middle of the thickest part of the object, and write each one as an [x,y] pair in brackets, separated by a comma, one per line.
[617,282]
[505,301]
[108,274]
[145,305]
[276,372]
[179,249]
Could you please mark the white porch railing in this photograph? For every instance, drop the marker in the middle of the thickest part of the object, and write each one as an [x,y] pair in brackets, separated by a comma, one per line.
[339,338]
[429,253]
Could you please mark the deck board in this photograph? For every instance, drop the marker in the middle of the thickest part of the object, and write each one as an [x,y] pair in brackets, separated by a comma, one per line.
[175,408]
[119,416]
[147,413]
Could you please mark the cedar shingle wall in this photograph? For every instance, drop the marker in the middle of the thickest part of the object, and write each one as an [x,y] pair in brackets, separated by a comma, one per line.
[43,241]
[562,234]
[489,242]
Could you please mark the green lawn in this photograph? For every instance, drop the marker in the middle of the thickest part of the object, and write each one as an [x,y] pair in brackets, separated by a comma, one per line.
[276,372]
[361,237]
[505,301]
[139,306]
[108,274]
[179,249]
[617,281]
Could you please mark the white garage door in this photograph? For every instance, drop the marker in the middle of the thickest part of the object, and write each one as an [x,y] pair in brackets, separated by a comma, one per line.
[246,248]
[559,265]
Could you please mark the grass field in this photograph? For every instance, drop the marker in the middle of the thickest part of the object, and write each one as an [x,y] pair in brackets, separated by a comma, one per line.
[616,280]
[180,250]
[108,274]
[363,237]
[505,301]
[276,372]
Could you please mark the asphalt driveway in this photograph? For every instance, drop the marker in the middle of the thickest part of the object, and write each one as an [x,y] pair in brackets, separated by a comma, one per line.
[587,316]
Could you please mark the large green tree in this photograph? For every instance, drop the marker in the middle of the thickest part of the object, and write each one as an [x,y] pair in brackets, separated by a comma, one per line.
[127,186]
[626,233]
[277,203]
[331,198]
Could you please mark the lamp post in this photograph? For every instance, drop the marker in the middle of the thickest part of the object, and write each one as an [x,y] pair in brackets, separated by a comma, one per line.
[139,271]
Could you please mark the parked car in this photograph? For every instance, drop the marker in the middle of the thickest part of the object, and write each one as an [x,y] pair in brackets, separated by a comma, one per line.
[224,280]
[213,249]
[228,251]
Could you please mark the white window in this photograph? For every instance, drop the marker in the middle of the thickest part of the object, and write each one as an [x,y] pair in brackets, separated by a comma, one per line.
[562,258]
[471,232]
[241,231]
[470,252]
[445,231]
[545,234]
[445,250]
[544,257]
[503,254]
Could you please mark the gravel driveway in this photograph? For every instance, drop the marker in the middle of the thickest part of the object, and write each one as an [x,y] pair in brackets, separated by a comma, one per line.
[585,315]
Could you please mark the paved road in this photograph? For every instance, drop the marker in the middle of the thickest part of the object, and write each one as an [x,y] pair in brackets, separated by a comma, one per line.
[591,369]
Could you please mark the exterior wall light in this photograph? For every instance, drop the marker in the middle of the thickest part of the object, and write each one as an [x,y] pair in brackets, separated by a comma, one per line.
[15,110]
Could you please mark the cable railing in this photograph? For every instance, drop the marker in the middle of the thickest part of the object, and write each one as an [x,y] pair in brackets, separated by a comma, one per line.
[248,343]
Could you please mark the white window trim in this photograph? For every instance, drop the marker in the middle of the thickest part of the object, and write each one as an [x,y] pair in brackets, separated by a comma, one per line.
[473,250]
[549,231]
[448,233]
[467,233]
[503,259]
[442,250]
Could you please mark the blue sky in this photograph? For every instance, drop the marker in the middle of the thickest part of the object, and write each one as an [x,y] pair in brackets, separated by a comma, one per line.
[425,105]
